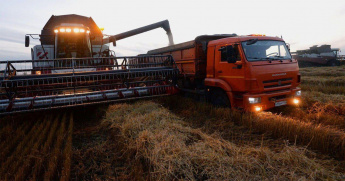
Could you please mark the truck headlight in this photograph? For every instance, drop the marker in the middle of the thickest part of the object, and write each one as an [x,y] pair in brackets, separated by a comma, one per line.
[298,93]
[254,100]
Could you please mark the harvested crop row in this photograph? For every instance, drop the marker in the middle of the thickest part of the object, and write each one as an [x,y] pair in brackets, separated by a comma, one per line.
[323,71]
[318,108]
[317,136]
[67,153]
[158,145]
[323,138]
[53,163]
[23,145]
[331,89]
[44,152]
[39,154]
[323,81]
[23,167]
[10,141]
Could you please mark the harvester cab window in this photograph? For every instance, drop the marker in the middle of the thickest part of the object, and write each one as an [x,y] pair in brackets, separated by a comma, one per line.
[71,45]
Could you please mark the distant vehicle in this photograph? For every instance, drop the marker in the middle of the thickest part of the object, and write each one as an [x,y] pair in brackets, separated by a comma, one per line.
[321,55]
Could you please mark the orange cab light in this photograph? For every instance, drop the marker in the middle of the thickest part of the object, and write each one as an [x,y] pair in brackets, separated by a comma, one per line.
[62,30]
[257,35]
[76,30]
[38,72]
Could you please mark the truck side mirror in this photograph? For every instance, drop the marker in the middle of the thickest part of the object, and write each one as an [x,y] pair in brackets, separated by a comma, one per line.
[230,54]
[27,40]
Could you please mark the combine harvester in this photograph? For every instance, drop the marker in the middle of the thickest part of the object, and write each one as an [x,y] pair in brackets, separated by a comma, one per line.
[319,55]
[73,66]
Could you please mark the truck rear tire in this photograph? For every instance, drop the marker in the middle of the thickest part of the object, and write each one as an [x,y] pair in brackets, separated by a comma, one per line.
[219,98]
[333,63]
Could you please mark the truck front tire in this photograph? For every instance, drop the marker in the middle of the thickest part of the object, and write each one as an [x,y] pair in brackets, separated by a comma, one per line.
[219,98]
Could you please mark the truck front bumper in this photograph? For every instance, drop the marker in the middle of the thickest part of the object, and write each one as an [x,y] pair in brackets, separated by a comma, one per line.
[272,99]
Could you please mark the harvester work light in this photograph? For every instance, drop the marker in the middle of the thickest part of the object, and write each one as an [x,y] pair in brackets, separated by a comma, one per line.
[75,30]
[257,35]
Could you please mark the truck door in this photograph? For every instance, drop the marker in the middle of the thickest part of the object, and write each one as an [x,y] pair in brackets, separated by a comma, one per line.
[225,67]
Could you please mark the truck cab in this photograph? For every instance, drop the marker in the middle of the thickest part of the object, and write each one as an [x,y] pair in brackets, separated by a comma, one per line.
[256,72]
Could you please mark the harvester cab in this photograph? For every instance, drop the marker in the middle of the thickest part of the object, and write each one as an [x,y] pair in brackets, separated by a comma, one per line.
[72,41]
[73,66]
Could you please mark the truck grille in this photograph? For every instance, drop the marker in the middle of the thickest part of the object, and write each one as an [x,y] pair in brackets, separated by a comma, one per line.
[277,98]
[277,83]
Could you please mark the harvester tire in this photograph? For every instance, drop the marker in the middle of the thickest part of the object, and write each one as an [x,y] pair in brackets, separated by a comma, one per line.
[333,63]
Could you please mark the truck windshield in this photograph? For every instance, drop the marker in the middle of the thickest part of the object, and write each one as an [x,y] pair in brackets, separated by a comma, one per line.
[265,50]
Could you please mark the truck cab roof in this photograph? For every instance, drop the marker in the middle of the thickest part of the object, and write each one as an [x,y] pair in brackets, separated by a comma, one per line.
[243,38]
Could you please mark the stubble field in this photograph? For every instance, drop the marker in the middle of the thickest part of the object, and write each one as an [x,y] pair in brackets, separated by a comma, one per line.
[175,138]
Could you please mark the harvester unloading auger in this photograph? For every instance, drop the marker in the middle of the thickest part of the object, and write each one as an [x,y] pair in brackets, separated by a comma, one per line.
[73,66]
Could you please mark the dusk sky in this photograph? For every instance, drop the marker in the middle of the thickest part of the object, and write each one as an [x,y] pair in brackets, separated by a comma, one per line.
[300,23]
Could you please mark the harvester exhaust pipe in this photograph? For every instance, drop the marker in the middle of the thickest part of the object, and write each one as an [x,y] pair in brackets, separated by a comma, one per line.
[162,24]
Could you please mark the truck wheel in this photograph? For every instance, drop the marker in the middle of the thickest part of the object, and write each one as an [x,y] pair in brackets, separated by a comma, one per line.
[333,63]
[219,98]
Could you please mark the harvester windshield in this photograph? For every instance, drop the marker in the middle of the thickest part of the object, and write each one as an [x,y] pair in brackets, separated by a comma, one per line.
[72,43]
[265,50]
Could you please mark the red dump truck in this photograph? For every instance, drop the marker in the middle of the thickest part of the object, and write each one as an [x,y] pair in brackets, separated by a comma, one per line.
[252,72]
